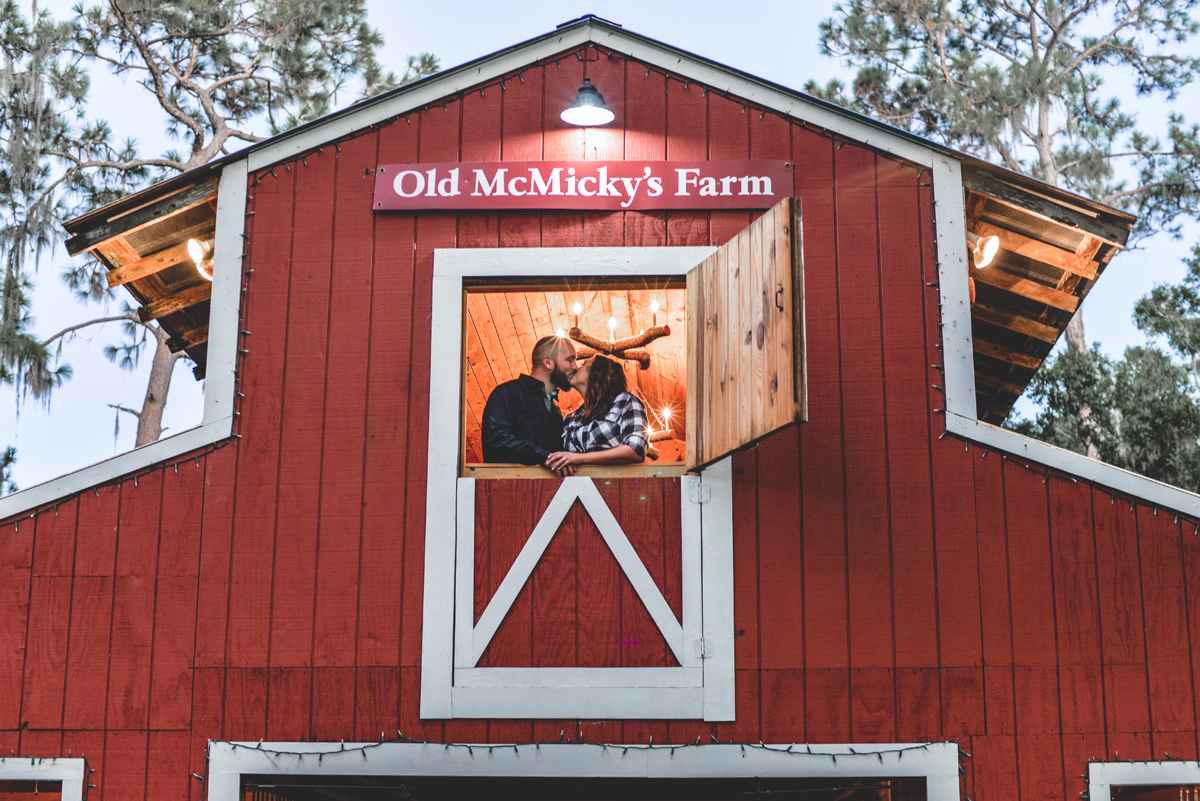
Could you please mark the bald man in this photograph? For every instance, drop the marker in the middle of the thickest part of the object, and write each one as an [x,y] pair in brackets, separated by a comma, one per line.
[521,421]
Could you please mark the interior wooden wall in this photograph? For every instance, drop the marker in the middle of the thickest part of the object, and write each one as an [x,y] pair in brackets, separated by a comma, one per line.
[890,585]
[501,329]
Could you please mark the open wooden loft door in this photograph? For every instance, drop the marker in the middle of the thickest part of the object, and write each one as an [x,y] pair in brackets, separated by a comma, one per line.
[746,376]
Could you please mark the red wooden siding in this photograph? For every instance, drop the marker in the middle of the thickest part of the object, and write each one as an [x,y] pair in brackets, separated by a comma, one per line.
[578,609]
[890,585]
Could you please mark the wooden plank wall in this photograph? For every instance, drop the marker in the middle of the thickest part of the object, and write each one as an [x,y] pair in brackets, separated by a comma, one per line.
[891,585]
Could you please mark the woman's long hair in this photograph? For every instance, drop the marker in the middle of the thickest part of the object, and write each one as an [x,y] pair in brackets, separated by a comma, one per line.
[606,380]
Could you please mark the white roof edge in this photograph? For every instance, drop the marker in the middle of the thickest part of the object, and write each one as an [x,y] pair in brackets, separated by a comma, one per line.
[489,68]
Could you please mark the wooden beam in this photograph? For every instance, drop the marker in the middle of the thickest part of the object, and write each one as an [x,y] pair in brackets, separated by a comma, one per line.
[1064,260]
[1026,288]
[141,217]
[173,303]
[1046,208]
[998,383]
[1015,322]
[1004,354]
[155,262]
[188,339]
[995,408]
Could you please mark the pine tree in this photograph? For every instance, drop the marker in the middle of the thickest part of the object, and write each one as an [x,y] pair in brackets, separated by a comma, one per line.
[1020,83]
[224,73]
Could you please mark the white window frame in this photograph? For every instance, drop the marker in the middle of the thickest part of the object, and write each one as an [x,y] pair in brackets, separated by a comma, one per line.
[936,762]
[702,687]
[1103,776]
[220,372]
[958,359]
[72,772]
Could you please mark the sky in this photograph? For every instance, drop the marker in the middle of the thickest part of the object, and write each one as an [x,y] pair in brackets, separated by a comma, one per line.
[773,40]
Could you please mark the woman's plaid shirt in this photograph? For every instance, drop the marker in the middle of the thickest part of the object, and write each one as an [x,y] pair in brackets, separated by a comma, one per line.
[624,424]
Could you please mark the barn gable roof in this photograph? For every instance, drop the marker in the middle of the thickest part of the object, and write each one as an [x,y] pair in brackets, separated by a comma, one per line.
[571,36]
[1013,333]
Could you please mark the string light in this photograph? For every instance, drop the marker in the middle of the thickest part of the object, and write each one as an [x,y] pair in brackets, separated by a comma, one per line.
[362,750]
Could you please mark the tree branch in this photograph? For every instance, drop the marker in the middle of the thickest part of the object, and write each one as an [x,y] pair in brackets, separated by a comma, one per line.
[133,318]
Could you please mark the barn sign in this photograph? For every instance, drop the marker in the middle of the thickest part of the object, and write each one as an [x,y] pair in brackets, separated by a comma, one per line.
[585,185]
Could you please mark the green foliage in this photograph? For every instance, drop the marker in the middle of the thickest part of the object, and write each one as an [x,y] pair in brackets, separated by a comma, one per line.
[1139,413]
[221,71]
[1142,412]
[1021,84]
[8,457]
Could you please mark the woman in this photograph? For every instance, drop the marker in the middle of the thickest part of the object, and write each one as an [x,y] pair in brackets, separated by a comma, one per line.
[610,426]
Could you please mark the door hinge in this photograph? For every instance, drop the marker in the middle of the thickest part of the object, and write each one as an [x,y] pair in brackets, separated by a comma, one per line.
[702,648]
[700,492]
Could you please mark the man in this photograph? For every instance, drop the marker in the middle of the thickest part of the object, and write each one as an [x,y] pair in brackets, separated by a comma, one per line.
[521,421]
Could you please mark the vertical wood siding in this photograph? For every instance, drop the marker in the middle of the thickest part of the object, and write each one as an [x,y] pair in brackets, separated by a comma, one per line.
[890,585]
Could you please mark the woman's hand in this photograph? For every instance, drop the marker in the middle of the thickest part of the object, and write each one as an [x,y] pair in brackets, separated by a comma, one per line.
[563,463]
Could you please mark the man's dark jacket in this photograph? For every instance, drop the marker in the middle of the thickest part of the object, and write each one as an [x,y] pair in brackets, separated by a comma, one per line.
[517,426]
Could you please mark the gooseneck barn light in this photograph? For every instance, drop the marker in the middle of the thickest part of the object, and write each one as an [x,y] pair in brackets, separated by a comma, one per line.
[588,108]
[201,253]
[983,249]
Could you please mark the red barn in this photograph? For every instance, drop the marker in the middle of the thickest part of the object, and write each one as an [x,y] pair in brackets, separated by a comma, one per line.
[839,579]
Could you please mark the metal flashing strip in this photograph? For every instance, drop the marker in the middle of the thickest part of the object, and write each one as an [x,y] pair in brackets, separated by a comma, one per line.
[1103,776]
[936,762]
[220,384]
[71,772]
[958,359]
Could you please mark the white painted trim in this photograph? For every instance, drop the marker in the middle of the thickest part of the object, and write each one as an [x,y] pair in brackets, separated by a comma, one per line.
[959,361]
[228,249]
[717,560]
[678,62]
[220,383]
[567,678]
[937,762]
[71,772]
[542,262]
[1103,776]
[452,644]
[625,702]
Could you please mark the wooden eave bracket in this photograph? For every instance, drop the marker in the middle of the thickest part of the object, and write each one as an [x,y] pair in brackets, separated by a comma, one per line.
[1104,227]
[135,219]
[170,304]
[149,265]
[188,339]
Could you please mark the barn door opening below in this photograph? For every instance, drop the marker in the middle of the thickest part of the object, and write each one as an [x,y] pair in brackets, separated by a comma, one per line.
[746,369]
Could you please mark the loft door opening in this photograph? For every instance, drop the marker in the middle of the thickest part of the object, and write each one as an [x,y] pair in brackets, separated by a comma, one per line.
[503,321]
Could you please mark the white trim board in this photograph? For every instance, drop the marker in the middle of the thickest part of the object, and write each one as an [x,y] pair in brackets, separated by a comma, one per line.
[221,375]
[454,81]
[958,358]
[71,772]
[1103,776]
[702,687]
[936,762]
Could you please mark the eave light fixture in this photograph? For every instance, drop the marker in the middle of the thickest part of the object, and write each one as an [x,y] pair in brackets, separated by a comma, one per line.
[588,108]
[201,254]
[983,249]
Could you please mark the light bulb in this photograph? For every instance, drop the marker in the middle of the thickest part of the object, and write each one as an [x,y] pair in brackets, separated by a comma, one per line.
[654,306]
[577,308]
[559,332]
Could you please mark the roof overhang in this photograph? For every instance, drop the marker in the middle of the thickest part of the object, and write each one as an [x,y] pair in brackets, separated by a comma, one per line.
[1026,299]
